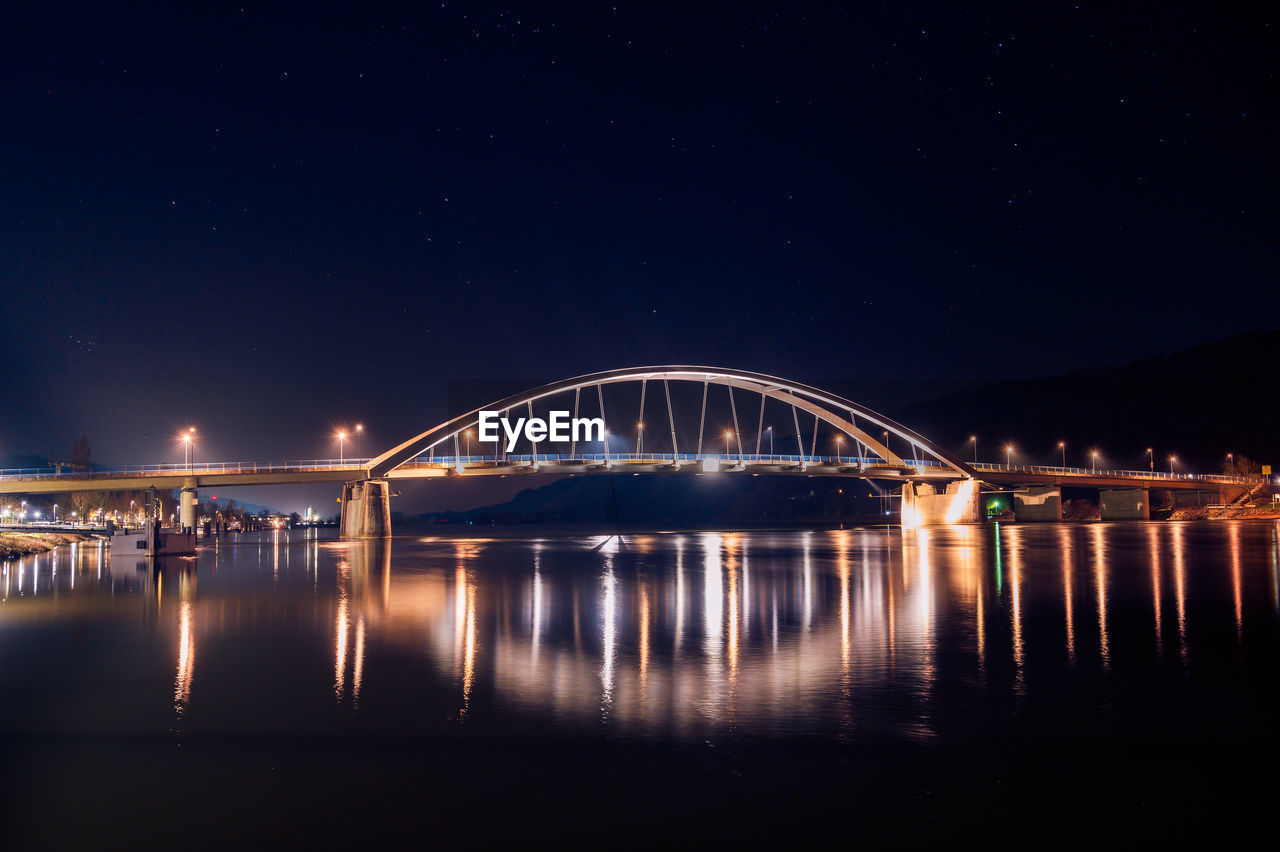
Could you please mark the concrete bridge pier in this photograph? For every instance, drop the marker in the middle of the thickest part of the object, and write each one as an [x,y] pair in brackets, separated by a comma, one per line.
[1125,504]
[188,505]
[366,509]
[1038,503]
[922,505]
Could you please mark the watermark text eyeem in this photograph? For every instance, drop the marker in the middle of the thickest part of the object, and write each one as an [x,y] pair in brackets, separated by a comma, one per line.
[558,427]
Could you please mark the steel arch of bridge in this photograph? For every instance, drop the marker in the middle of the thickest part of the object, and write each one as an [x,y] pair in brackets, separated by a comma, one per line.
[838,412]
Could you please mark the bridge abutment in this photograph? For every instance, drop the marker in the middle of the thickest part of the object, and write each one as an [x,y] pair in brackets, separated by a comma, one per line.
[922,505]
[1125,504]
[1038,503]
[366,509]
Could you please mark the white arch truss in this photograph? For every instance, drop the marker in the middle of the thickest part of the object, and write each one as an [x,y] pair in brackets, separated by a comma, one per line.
[849,417]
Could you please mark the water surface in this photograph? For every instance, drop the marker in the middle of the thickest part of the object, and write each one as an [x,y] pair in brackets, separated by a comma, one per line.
[555,682]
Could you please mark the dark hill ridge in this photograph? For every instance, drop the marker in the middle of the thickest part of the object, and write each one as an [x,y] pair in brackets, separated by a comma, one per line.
[676,501]
[1198,403]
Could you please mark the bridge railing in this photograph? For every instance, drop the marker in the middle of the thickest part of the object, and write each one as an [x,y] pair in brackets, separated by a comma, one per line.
[658,458]
[195,469]
[1114,473]
[306,465]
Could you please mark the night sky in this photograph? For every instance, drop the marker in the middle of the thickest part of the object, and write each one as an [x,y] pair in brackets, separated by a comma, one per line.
[271,223]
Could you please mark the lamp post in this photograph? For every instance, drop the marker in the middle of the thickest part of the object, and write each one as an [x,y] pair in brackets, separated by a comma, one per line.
[187,449]
[1094,456]
[885,433]
[839,447]
[770,431]
[1062,445]
[639,438]
[727,436]
[1008,456]
[1231,462]
[1151,459]
[342,440]
[359,431]
[468,436]
[973,439]
[1172,460]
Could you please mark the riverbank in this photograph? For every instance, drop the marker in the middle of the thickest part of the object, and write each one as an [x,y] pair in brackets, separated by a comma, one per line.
[1227,513]
[15,545]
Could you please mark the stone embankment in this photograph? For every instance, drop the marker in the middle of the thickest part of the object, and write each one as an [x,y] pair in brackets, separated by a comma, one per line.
[1225,513]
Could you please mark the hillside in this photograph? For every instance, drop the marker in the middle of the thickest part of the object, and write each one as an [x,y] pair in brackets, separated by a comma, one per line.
[1198,403]
[678,501]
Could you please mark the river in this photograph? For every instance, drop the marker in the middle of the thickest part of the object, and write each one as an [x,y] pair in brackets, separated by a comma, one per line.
[673,686]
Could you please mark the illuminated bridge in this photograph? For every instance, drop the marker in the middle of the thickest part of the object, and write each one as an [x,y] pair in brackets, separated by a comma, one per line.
[675,420]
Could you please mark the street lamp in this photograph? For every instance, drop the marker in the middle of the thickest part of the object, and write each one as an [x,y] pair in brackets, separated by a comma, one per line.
[839,446]
[1094,455]
[639,437]
[973,439]
[342,440]
[467,434]
[186,449]
[1172,460]
[1062,445]
[359,431]
[1008,456]
[769,429]
[727,436]
[1151,459]
[1231,462]
[885,433]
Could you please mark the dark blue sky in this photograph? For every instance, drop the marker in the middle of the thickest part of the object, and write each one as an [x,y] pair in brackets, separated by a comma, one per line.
[268,223]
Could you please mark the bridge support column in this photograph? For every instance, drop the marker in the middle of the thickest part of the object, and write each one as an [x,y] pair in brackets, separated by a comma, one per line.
[1038,503]
[188,505]
[1125,504]
[922,505]
[366,509]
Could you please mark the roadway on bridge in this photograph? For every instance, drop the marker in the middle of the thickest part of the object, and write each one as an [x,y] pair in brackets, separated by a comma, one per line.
[228,474]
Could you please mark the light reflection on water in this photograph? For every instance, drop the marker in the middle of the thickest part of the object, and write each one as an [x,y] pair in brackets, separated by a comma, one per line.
[862,633]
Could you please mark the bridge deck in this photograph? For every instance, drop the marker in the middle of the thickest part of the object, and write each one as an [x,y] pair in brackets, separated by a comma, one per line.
[226,474]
